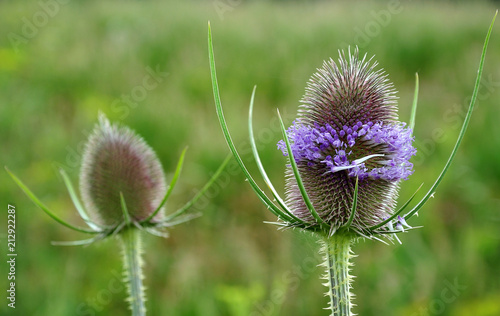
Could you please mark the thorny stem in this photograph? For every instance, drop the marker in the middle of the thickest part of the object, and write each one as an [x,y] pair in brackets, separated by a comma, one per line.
[337,253]
[131,241]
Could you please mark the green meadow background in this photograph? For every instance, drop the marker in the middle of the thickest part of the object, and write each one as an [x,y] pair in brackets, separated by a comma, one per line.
[61,62]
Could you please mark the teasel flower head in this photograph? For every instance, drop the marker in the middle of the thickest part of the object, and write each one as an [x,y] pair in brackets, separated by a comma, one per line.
[347,137]
[117,161]
[347,153]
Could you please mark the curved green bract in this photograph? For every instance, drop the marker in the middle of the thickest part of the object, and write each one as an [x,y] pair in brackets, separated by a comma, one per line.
[414,105]
[464,126]
[170,187]
[298,178]
[78,205]
[126,215]
[178,220]
[218,106]
[275,194]
[200,193]
[44,208]
[354,205]
[79,242]
[399,211]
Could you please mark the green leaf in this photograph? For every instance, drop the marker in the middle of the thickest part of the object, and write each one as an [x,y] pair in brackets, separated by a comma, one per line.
[298,178]
[44,208]
[464,126]
[220,114]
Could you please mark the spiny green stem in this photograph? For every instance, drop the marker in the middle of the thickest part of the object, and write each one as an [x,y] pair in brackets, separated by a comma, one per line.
[337,253]
[131,241]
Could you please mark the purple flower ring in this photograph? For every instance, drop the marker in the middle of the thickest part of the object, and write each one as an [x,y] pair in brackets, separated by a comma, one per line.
[387,149]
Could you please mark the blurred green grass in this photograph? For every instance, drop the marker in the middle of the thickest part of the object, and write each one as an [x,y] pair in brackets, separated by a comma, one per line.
[89,54]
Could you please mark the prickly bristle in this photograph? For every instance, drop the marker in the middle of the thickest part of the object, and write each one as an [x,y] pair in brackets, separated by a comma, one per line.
[349,112]
[348,92]
[117,160]
[332,196]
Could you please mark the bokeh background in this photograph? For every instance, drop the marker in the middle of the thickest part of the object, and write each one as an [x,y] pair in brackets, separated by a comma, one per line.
[61,62]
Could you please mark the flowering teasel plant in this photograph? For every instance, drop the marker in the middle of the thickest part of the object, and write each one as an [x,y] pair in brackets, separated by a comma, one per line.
[347,155]
[124,192]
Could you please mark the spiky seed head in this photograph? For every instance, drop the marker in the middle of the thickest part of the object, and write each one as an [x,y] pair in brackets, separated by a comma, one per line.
[118,160]
[347,128]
